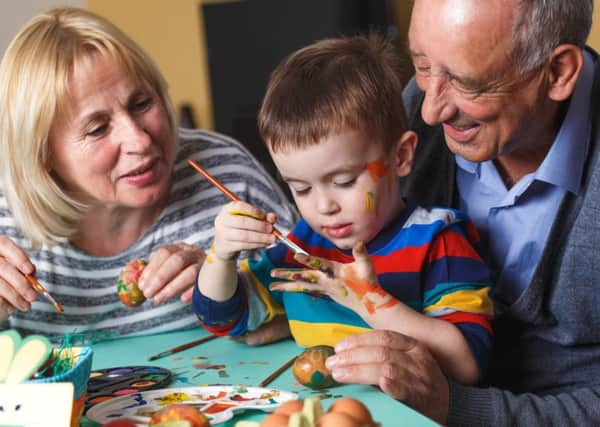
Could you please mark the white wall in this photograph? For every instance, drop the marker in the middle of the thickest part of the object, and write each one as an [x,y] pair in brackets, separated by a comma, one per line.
[14,13]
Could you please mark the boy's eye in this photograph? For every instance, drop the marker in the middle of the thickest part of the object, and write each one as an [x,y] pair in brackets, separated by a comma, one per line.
[346,183]
[300,191]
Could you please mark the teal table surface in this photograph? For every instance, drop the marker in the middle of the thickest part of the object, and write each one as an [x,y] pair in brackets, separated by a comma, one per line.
[243,365]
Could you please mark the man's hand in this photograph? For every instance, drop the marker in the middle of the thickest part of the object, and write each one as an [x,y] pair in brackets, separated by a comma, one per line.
[398,364]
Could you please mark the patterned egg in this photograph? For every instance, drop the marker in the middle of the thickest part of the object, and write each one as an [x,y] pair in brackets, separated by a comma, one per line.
[127,286]
[309,367]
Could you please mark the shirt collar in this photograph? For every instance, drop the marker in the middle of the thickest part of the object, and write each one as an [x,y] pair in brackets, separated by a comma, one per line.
[563,165]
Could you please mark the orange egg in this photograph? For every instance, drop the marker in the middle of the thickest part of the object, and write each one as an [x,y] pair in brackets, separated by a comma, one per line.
[337,419]
[289,408]
[275,420]
[355,408]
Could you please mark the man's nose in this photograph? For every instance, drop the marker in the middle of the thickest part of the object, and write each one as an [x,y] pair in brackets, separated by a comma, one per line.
[437,106]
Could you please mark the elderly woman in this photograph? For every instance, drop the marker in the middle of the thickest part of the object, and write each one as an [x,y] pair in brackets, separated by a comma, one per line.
[94,174]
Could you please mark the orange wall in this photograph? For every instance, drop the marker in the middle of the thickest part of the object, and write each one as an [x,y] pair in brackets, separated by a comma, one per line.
[170,31]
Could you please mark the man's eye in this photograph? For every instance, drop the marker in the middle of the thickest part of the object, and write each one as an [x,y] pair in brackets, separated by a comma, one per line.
[422,70]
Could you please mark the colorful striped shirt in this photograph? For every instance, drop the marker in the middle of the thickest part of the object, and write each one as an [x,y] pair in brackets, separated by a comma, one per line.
[427,259]
[86,285]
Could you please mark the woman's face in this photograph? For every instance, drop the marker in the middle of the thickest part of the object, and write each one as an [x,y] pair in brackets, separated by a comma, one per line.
[116,149]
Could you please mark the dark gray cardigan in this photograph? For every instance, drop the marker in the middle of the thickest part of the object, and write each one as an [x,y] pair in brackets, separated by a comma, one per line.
[545,368]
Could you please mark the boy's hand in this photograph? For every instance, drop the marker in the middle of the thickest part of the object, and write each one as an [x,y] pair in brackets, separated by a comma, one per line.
[352,285]
[240,226]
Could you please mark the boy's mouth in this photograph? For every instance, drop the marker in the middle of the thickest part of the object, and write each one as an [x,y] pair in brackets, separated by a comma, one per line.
[338,231]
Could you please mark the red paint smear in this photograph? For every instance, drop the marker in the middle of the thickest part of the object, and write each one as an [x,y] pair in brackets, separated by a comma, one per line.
[218,396]
[218,407]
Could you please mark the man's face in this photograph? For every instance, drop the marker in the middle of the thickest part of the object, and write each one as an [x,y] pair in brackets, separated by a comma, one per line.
[486,108]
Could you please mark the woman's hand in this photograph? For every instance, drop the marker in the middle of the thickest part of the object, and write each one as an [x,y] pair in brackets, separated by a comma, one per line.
[15,292]
[400,365]
[172,270]
[353,285]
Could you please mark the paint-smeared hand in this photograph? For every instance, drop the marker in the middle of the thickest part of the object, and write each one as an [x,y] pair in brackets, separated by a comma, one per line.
[172,270]
[240,226]
[352,285]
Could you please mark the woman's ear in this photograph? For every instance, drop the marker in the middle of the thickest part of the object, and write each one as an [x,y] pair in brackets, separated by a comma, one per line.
[566,62]
[404,151]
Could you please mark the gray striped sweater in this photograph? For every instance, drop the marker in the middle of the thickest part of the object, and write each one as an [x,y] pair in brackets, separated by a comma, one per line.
[86,285]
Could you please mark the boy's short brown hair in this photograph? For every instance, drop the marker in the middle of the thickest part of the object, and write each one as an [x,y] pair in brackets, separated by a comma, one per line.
[334,85]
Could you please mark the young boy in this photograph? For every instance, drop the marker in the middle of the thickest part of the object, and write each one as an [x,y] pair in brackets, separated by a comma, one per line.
[334,124]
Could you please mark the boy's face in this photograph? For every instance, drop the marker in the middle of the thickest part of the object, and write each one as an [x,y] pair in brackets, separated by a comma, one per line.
[346,186]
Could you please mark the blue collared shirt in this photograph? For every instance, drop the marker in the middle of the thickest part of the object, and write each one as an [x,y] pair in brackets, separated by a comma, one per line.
[514,224]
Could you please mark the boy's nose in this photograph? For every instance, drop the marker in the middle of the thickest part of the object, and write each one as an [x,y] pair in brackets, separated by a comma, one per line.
[326,205]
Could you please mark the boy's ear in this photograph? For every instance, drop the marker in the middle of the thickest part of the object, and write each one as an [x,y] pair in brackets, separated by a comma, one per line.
[566,62]
[404,151]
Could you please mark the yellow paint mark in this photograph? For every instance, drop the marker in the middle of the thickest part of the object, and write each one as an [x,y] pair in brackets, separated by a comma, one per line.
[316,263]
[246,214]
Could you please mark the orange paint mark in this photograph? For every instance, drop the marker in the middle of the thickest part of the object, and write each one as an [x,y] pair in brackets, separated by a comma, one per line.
[362,288]
[377,168]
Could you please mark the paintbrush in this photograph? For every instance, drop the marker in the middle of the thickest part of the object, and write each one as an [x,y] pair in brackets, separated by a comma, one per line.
[182,347]
[277,372]
[38,287]
[294,247]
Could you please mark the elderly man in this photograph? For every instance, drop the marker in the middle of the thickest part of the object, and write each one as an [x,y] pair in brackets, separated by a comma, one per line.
[505,102]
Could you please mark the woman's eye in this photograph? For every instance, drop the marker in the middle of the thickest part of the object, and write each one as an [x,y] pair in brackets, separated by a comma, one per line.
[97,131]
[142,105]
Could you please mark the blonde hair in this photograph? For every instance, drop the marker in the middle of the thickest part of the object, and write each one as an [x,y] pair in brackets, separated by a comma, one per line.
[333,85]
[34,96]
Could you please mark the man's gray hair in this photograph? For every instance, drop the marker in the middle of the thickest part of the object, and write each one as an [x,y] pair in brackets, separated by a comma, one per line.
[542,25]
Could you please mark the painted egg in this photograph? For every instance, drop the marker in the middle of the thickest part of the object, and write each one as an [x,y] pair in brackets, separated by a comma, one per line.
[177,412]
[127,287]
[309,367]
[353,407]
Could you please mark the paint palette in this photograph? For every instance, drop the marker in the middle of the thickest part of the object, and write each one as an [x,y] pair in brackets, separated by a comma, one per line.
[218,403]
[106,384]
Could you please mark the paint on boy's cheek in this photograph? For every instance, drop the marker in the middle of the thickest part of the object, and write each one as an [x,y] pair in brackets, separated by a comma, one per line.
[377,168]
[371,203]
[372,296]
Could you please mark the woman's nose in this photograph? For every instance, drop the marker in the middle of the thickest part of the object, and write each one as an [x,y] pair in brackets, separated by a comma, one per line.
[437,106]
[132,135]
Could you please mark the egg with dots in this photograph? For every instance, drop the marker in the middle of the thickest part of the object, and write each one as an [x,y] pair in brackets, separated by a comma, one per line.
[127,286]
[310,370]
[171,414]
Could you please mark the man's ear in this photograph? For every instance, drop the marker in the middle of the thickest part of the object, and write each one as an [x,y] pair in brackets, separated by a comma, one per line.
[566,62]
[404,151]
